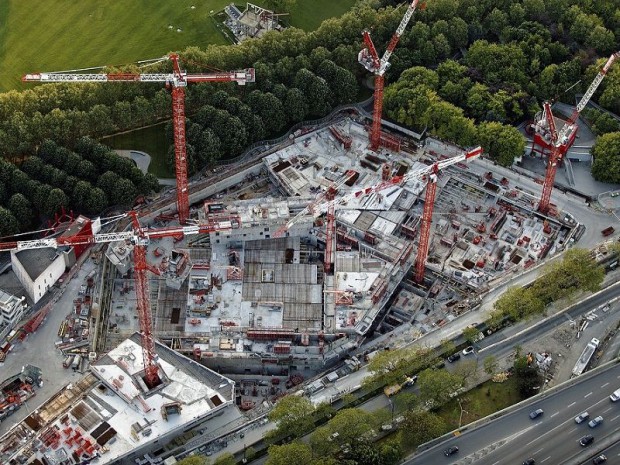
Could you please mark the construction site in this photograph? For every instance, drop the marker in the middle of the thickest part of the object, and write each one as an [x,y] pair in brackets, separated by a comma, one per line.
[110,413]
[342,232]
[260,296]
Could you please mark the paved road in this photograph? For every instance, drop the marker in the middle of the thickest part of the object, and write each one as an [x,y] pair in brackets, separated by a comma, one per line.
[550,440]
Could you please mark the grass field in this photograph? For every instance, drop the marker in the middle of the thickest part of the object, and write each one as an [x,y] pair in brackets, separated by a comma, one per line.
[54,35]
[480,402]
[151,140]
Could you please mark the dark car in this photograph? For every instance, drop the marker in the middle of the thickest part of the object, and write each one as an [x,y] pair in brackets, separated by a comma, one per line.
[586,440]
[536,413]
[529,462]
[450,451]
[454,357]
[600,459]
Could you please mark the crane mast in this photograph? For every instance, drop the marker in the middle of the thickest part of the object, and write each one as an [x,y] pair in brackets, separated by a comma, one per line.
[369,59]
[178,80]
[560,139]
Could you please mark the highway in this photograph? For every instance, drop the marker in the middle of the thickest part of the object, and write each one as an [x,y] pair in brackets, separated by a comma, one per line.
[552,439]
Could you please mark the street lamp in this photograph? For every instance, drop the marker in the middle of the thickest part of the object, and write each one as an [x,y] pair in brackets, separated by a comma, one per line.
[391,408]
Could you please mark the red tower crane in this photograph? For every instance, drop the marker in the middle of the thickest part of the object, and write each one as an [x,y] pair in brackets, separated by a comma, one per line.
[370,60]
[325,204]
[178,80]
[560,140]
[140,238]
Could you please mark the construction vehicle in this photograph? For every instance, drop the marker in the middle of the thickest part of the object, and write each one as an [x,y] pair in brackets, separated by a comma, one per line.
[176,79]
[370,60]
[561,140]
[394,389]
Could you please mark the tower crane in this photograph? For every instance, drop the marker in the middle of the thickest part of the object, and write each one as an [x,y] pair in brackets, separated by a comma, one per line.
[324,204]
[370,60]
[140,238]
[560,139]
[177,80]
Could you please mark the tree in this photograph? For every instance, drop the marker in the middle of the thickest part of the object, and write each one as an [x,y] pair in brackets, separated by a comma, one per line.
[55,202]
[421,426]
[21,208]
[124,193]
[225,459]
[518,302]
[293,415]
[606,153]
[8,224]
[296,105]
[466,370]
[471,334]
[528,378]
[436,386]
[194,460]
[296,452]
[503,143]
[490,364]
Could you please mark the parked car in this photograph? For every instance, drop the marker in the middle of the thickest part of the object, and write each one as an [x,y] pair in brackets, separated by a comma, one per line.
[468,350]
[583,416]
[536,413]
[597,421]
[454,357]
[450,451]
[586,440]
[600,459]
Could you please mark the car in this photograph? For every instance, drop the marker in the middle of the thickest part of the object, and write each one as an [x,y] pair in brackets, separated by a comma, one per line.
[595,422]
[529,461]
[583,416]
[536,413]
[615,396]
[586,440]
[468,350]
[450,451]
[454,357]
[600,459]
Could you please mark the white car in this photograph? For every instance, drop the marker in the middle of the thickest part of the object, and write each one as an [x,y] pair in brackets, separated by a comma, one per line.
[582,417]
[468,350]
[615,396]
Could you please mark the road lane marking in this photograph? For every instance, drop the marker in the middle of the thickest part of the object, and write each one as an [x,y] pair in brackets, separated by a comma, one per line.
[496,463]
[554,414]
[607,410]
[574,429]
[588,394]
[570,405]
[536,453]
[617,416]
[606,384]
[544,460]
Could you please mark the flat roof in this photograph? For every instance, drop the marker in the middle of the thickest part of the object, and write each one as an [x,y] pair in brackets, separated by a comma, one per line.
[36,261]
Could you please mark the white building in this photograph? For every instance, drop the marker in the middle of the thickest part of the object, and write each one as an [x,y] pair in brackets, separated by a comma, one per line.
[39,269]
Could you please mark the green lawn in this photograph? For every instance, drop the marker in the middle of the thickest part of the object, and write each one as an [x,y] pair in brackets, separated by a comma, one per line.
[480,402]
[54,35]
[151,140]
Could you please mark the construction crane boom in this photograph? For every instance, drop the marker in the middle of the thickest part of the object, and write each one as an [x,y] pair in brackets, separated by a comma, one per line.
[560,140]
[178,80]
[369,59]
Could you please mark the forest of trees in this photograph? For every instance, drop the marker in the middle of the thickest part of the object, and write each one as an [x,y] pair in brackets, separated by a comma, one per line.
[466,70]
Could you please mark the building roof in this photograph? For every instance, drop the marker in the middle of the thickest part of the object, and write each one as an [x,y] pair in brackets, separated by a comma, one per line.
[108,414]
[36,261]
